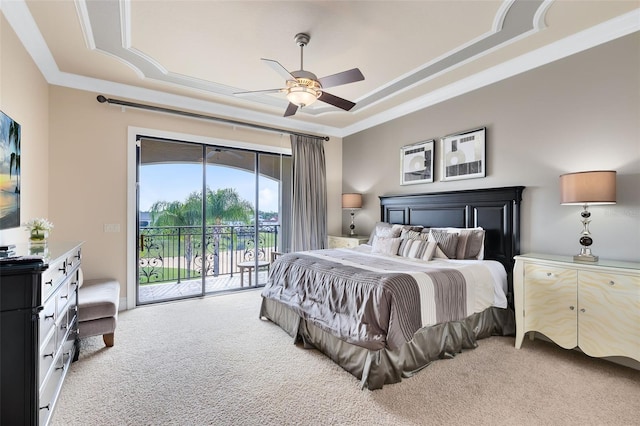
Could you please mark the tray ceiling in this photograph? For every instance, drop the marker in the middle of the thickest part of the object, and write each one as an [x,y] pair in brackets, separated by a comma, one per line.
[194,55]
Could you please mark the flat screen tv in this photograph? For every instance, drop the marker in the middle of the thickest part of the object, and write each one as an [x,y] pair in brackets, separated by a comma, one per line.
[9,172]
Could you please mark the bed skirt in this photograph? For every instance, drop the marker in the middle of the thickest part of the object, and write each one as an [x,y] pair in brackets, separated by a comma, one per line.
[380,367]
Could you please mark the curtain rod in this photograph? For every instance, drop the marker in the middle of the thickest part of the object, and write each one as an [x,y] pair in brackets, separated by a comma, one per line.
[103,99]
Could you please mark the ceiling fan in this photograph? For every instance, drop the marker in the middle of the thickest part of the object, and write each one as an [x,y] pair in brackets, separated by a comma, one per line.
[303,87]
[215,151]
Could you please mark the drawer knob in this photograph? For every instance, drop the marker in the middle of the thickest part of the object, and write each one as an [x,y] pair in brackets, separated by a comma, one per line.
[50,282]
[46,317]
[66,296]
[46,355]
[582,310]
[572,307]
[46,407]
[612,283]
[549,274]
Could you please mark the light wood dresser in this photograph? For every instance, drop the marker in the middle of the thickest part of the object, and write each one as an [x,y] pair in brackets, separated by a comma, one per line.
[346,241]
[595,307]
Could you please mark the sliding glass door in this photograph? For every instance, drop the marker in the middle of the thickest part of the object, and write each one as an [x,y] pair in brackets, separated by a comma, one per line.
[209,218]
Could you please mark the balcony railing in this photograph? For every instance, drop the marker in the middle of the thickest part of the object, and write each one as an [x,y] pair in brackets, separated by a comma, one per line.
[175,253]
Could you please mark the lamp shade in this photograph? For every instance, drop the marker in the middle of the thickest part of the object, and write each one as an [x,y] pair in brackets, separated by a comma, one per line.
[596,187]
[351,201]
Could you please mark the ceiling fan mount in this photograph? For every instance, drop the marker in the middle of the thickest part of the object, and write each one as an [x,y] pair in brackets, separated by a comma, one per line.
[303,87]
[302,39]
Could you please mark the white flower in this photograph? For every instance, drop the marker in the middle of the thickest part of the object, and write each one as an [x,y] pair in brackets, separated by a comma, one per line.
[39,224]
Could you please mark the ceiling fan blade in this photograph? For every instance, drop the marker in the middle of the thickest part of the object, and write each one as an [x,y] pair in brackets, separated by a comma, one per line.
[260,91]
[343,77]
[336,101]
[277,67]
[214,151]
[291,109]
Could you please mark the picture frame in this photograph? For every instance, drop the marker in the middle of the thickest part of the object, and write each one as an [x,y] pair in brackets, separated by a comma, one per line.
[10,183]
[416,163]
[463,155]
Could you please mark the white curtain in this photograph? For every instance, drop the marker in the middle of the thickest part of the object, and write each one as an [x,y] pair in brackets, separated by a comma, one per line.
[309,221]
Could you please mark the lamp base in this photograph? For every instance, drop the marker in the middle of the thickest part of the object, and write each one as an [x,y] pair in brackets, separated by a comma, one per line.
[585,256]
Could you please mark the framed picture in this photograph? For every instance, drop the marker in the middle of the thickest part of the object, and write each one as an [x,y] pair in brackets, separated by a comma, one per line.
[9,172]
[416,163]
[463,155]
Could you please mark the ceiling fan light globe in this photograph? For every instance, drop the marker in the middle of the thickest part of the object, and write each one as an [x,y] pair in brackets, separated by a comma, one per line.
[302,96]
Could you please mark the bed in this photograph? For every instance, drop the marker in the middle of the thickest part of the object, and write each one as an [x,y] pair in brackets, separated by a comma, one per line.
[385,317]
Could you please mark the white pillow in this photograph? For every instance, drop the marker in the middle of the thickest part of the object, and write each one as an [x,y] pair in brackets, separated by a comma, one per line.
[385,245]
[383,229]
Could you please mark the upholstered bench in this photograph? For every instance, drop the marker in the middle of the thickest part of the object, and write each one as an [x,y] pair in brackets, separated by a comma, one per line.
[98,301]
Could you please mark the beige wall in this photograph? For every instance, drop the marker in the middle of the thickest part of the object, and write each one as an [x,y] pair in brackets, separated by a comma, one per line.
[89,176]
[579,113]
[24,97]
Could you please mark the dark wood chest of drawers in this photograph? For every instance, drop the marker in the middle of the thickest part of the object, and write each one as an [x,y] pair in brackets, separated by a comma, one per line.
[38,330]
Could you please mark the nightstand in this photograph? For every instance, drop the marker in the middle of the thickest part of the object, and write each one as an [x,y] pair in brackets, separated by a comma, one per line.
[593,306]
[346,241]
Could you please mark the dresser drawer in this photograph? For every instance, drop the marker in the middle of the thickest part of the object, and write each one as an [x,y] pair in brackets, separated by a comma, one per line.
[548,275]
[49,391]
[346,242]
[62,297]
[52,277]
[47,355]
[47,319]
[612,282]
[73,261]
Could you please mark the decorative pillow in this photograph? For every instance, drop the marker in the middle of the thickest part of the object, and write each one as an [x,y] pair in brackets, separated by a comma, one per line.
[385,245]
[413,234]
[447,243]
[430,251]
[383,229]
[470,244]
[417,249]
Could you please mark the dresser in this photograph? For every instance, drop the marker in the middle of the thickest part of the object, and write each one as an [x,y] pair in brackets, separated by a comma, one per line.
[39,329]
[595,307]
[346,241]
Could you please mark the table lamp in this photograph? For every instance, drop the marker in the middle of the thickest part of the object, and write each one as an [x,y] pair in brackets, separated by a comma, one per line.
[587,188]
[352,201]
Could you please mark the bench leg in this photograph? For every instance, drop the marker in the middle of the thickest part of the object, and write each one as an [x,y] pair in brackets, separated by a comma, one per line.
[108,339]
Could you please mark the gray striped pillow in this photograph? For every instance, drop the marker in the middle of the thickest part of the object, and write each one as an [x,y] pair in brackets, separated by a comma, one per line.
[470,242]
[447,242]
[413,249]
[414,235]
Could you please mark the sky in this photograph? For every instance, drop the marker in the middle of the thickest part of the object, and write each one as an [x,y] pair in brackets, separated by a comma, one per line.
[174,182]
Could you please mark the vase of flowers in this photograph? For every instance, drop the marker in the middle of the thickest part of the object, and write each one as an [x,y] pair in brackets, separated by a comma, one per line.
[38,231]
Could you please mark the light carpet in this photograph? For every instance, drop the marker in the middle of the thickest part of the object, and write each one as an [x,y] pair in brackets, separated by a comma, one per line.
[212,361]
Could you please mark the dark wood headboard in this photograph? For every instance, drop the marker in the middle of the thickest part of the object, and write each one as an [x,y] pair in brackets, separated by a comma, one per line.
[497,210]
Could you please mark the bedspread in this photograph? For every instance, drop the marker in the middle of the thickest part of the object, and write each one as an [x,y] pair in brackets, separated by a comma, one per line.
[376,301]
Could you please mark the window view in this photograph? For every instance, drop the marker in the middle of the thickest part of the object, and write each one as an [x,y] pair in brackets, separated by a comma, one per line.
[209,218]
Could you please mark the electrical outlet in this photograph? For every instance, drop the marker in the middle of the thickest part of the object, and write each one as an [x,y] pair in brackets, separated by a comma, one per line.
[111,227]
